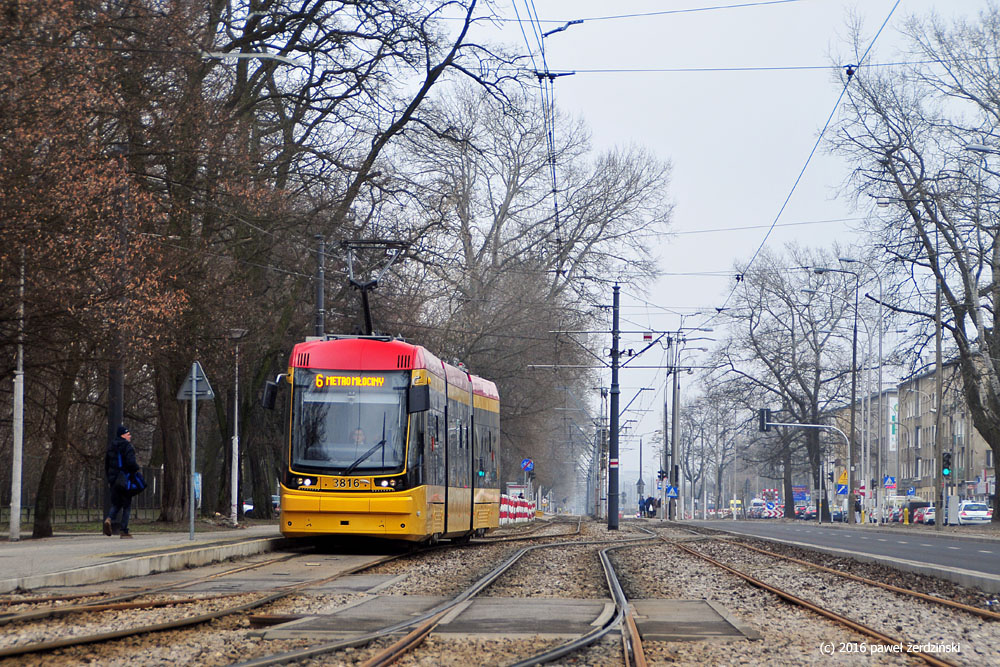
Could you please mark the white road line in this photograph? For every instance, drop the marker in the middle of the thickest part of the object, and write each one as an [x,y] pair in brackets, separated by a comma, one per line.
[926,545]
[985,552]
[881,540]
[955,548]
[902,541]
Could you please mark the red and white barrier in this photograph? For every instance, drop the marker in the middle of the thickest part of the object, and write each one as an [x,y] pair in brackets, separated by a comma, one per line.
[515,510]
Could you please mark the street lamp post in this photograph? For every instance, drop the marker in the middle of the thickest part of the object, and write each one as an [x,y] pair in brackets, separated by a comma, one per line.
[851,497]
[938,269]
[882,416]
[234,463]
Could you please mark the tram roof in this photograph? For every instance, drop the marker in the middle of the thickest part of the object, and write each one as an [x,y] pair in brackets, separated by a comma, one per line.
[378,353]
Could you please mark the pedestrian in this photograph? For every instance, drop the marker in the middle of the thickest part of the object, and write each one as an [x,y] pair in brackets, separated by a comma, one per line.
[119,459]
[857,511]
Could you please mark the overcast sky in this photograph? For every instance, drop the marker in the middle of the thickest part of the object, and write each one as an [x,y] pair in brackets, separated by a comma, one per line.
[737,137]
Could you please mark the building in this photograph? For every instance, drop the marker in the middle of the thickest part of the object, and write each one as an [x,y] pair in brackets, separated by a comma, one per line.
[974,469]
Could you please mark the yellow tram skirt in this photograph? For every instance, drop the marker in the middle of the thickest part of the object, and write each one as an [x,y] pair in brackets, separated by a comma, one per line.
[396,515]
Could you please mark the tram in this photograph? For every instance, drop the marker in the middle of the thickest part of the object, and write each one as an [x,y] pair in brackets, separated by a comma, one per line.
[387,440]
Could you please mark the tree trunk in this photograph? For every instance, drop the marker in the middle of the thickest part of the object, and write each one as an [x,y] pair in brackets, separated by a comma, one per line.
[45,498]
[175,447]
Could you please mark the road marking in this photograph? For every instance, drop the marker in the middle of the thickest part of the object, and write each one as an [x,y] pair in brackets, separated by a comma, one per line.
[955,548]
[881,540]
[985,552]
[926,545]
[902,541]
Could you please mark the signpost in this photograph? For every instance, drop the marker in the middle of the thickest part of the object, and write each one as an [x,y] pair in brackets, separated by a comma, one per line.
[195,388]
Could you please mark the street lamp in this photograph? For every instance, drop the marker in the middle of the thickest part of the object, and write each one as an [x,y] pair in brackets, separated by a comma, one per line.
[235,335]
[854,370]
[938,269]
[851,498]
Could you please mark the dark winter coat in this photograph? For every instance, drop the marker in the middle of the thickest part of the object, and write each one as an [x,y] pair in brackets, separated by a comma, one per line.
[124,447]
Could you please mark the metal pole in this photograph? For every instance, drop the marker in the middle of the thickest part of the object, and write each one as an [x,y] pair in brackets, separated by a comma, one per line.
[18,445]
[938,390]
[234,462]
[613,443]
[851,497]
[674,466]
[320,285]
[194,434]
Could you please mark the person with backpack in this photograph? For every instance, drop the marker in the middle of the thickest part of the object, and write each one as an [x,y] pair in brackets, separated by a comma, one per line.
[119,460]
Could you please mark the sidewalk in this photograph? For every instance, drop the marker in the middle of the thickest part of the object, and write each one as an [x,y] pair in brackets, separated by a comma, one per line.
[72,559]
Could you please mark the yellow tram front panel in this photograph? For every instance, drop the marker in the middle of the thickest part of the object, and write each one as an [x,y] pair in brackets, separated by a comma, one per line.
[390,514]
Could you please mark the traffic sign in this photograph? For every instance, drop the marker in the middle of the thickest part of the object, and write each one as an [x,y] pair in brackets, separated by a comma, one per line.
[671,492]
[769,506]
[911,491]
[841,489]
[889,482]
[527,465]
[843,477]
[198,379]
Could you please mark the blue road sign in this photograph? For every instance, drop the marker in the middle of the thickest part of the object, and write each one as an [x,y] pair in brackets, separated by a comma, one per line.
[889,482]
[841,489]
[527,465]
[911,491]
[671,492]
[769,506]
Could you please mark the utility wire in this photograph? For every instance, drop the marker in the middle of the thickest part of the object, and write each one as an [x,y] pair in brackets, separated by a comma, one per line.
[851,70]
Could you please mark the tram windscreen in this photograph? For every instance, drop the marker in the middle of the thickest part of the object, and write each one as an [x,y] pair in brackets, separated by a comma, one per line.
[349,422]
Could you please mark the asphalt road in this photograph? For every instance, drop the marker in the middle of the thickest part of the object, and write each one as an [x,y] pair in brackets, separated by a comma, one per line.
[916,544]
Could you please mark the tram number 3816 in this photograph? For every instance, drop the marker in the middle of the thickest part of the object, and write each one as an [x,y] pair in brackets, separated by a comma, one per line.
[350,482]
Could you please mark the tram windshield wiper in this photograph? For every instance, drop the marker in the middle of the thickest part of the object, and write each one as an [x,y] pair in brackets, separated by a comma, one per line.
[360,459]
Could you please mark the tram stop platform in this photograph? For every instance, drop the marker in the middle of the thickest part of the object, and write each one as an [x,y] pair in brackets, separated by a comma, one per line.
[74,559]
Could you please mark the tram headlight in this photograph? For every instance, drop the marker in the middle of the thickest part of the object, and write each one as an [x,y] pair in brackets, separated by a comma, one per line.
[384,482]
[306,481]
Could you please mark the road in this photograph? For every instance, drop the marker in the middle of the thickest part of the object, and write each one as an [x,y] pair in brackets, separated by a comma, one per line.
[917,547]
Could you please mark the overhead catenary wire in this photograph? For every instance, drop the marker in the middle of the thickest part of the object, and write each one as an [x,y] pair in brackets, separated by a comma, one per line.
[806,164]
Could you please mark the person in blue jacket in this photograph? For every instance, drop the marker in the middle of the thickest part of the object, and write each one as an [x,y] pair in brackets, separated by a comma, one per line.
[120,456]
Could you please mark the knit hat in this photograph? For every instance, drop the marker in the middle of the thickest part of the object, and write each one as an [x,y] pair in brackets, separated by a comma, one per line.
[122,430]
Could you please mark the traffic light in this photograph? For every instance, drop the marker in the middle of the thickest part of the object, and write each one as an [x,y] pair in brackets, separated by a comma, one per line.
[946,464]
[764,415]
[661,475]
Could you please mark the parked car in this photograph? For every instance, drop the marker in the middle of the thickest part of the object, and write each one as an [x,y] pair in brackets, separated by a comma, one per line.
[248,506]
[973,512]
[928,517]
[809,514]
[838,515]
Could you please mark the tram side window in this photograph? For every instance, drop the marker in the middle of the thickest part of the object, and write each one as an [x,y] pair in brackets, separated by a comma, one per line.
[415,457]
[436,463]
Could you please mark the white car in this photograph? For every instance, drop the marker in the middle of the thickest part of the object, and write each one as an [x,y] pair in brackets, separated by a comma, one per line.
[972,512]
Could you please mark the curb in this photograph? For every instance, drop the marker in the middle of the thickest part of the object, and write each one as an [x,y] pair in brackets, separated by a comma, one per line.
[164,561]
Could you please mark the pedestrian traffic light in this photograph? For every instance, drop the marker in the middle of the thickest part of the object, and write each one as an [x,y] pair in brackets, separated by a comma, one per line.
[661,475]
[946,464]
[764,415]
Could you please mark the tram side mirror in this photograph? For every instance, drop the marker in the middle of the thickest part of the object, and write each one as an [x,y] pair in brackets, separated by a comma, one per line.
[418,398]
[270,395]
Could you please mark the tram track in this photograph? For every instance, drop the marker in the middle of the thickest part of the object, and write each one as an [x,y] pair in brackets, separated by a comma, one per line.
[895,644]
[420,627]
[48,645]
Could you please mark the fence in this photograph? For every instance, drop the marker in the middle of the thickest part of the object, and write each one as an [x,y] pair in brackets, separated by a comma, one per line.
[82,499]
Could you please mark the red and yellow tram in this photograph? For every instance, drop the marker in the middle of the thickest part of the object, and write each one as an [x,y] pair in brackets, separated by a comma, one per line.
[386,440]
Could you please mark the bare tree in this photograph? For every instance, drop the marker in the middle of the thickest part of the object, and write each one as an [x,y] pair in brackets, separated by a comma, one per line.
[910,129]
[786,346]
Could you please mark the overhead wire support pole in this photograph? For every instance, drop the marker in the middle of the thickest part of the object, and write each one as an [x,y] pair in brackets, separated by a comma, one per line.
[613,441]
